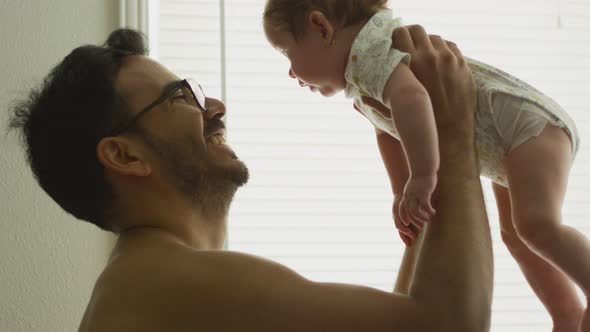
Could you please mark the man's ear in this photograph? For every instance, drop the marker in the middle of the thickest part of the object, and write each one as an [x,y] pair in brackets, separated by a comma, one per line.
[320,23]
[121,156]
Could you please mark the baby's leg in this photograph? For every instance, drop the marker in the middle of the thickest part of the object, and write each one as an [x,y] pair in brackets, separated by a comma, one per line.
[553,287]
[538,172]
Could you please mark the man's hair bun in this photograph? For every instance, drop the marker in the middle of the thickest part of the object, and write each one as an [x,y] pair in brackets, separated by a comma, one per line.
[128,40]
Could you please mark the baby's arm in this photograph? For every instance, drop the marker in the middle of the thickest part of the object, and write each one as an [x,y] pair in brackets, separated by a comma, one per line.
[413,117]
[394,160]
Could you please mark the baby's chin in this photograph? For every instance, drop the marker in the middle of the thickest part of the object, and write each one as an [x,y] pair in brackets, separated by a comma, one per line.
[329,92]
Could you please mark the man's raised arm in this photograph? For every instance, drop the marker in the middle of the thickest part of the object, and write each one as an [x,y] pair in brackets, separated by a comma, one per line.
[456,257]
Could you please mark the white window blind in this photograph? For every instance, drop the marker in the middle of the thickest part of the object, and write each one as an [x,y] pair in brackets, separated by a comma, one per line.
[319,198]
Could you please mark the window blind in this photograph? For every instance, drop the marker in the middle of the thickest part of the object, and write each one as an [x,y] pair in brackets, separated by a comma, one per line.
[319,198]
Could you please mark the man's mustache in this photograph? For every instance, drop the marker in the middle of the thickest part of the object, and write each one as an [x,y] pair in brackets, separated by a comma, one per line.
[213,125]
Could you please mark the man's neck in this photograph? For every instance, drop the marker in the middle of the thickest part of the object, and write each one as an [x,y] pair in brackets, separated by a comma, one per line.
[141,237]
[173,222]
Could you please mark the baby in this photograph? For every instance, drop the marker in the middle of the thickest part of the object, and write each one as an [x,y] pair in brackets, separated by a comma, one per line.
[525,141]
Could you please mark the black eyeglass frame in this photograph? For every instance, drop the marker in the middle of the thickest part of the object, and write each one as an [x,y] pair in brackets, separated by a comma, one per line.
[188,83]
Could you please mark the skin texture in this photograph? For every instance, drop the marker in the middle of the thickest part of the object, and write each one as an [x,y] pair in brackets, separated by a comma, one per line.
[168,272]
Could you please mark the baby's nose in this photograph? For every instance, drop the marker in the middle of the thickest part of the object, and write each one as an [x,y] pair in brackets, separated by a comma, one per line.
[291,73]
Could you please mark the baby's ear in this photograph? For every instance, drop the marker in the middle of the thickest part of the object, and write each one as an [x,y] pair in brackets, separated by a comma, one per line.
[319,22]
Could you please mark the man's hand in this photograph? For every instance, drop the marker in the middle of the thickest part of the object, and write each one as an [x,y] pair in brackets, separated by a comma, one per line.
[441,68]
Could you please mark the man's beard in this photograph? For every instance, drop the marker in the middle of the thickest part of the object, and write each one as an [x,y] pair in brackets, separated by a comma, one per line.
[209,186]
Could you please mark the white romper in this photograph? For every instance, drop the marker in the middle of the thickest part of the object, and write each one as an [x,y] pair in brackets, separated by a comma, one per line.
[509,111]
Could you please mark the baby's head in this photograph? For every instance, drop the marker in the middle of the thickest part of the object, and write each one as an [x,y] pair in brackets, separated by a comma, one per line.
[316,36]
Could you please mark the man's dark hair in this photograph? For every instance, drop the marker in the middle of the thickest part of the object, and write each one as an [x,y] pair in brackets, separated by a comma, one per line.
[62,121]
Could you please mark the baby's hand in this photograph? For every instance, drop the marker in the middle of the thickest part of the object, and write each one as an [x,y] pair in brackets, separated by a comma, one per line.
[407,233]
[415,207]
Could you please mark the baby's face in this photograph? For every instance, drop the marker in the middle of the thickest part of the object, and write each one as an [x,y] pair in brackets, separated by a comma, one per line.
[314,64]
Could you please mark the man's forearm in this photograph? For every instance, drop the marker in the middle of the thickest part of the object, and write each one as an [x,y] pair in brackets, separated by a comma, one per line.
[456,256]
[405,274]
[452,286]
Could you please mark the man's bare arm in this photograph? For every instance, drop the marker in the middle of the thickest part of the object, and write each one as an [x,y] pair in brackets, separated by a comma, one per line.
[456,257]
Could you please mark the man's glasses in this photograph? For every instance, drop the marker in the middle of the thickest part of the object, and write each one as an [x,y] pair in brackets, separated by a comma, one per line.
[187,89]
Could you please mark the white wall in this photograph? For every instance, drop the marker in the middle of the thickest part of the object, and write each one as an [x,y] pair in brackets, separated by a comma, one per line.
[48,260]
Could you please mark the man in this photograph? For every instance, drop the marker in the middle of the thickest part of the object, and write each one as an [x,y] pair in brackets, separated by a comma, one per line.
[118,140]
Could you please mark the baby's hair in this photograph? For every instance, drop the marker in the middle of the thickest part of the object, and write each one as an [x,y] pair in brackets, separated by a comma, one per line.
[291,15]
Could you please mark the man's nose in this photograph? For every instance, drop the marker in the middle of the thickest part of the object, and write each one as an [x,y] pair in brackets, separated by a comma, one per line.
[291,73]
[215,109]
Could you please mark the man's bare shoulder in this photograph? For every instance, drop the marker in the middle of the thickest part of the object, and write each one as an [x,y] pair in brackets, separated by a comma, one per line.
[180,289]
[160,288]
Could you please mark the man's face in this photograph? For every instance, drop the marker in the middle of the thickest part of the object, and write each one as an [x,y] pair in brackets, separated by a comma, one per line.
[188,151]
